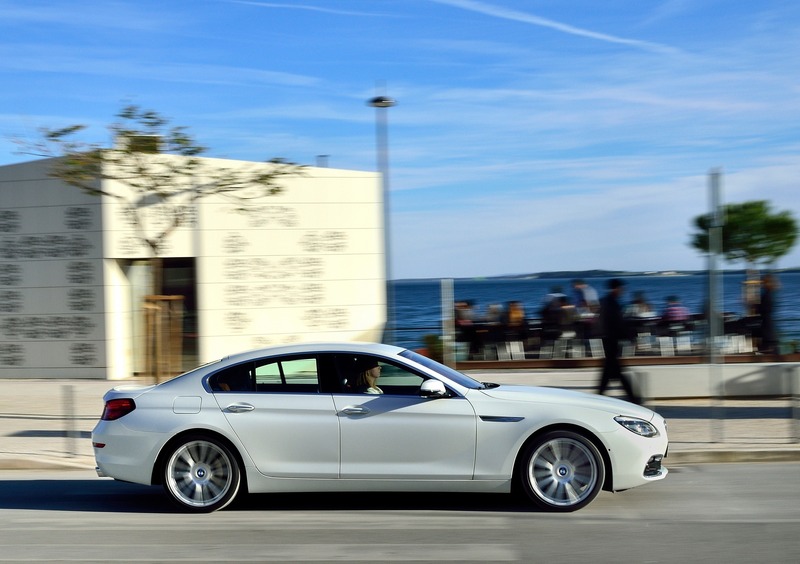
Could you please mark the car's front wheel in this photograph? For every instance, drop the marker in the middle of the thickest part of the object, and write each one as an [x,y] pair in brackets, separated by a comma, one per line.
[561,471]
[201,474]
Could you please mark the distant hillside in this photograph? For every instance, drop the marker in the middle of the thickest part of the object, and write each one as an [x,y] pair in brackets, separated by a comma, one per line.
[572,274]
[586,274]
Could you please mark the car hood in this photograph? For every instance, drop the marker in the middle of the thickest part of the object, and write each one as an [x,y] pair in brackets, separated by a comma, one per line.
[557,396]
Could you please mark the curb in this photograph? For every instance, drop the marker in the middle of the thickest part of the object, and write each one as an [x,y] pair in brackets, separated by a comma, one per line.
[680,458]
[724,456]
[44,463]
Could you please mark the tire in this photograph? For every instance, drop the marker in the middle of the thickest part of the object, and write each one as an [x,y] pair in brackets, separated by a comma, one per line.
[201,474]
[561,471]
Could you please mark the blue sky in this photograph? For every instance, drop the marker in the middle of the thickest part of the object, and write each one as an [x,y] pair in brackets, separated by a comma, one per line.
[529,135]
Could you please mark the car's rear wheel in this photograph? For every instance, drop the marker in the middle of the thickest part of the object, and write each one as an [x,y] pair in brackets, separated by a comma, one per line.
[561,471]
[201,474]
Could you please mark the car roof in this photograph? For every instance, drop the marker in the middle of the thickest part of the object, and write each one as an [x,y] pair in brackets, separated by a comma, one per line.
[321,347]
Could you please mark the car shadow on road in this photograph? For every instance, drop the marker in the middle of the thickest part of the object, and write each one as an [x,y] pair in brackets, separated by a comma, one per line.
[382,501]
[108,496]
[82,495]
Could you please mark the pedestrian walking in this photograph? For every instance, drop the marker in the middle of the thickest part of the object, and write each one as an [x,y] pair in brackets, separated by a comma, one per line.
[766,311]
[613,330]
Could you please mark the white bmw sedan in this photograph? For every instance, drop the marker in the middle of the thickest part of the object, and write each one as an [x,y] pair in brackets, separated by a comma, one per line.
[369,417]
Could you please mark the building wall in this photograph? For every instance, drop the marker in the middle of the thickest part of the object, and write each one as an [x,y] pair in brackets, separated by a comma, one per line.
[304,265]
[52,322]
[307,265]
[120,310]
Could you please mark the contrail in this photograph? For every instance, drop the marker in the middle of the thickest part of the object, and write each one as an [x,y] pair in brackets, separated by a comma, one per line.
[515,15]
[301,7]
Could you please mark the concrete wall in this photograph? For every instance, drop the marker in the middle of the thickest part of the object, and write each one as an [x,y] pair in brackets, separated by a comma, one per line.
[727,380]
[52,321]
[120,311]
[306,265]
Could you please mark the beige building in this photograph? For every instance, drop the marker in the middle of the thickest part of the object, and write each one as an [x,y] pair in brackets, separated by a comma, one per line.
[304,265]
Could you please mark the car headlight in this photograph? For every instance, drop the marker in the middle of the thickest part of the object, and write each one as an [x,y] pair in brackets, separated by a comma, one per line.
[638,426]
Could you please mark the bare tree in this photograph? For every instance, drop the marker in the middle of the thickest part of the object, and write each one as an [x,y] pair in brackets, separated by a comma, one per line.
[155,165]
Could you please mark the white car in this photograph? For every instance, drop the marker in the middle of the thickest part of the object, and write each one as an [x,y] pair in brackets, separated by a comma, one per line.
[295,419]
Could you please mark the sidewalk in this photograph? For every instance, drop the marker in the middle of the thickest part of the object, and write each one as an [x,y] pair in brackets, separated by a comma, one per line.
[48,423]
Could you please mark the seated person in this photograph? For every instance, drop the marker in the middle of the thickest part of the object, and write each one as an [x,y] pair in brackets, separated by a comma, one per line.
[675,312]
[368,371]
[675,317]
[515,323]
[639,308]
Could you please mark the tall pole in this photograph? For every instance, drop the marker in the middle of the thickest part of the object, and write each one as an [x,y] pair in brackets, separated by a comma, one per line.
[381,105]
[715,326]
[715,249]
[448,323]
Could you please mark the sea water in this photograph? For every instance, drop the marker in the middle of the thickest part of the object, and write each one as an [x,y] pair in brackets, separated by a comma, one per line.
[418,303]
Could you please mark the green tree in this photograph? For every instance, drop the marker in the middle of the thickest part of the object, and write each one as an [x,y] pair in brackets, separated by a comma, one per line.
[751,233]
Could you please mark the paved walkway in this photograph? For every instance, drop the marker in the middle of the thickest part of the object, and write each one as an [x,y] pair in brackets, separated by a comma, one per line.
[48,423]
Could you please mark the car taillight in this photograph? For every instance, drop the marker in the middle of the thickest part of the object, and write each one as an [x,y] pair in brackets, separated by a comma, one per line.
[116,408]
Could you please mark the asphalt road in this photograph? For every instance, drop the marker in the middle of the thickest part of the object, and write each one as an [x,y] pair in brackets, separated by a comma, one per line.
[702,513]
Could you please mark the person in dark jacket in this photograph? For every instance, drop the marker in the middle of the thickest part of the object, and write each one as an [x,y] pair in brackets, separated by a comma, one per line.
[766,310]
[613,330]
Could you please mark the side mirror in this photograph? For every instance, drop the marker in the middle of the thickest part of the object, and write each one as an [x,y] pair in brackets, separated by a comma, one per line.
[432,389]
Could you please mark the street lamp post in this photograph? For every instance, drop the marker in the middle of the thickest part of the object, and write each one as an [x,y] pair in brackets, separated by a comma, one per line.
[381,105]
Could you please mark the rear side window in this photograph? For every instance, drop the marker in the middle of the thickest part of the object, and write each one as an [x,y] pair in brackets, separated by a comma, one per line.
[291,375]
[237,378]
[287,375]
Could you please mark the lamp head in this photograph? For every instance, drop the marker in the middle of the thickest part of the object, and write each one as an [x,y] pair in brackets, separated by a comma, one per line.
[382,102]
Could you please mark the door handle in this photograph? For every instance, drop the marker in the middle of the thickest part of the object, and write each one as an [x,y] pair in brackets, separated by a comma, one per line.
[240,407]
[355,410]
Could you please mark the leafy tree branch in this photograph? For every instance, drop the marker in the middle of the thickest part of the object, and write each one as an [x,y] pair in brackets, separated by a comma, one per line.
[155,164]
[751,232]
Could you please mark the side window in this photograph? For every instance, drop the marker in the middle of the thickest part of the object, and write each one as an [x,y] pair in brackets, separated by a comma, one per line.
[269,374]
[237,378]
[399,381]
[289,375]
[359,375]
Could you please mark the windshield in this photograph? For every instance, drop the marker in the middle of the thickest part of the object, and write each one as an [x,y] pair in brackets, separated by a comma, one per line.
[454,375]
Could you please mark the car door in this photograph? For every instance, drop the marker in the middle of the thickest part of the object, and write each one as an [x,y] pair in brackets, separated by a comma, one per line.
[288,428]
[400,435]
